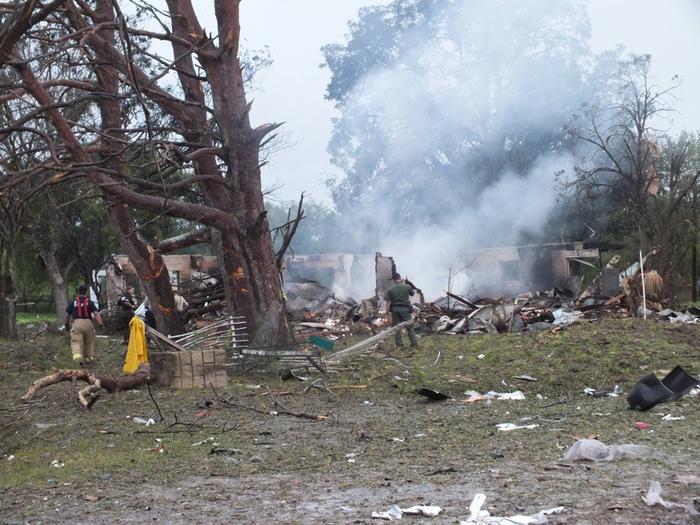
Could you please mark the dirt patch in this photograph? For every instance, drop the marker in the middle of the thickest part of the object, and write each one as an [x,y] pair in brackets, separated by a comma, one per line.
[378,445]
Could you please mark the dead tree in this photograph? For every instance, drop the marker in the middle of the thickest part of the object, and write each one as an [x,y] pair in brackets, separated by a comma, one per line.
[188,152]
[651,176]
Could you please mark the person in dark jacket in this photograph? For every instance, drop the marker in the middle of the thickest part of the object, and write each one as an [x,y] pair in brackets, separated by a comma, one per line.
[128,303]
[398,299]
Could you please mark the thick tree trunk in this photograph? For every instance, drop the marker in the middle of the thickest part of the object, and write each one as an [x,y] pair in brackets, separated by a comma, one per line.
[148,263]
[253,288]
[244,249]
[150,268]
[8,314]
[60,284]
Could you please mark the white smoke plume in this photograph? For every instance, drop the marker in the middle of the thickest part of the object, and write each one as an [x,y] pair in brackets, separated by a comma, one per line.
[441,108]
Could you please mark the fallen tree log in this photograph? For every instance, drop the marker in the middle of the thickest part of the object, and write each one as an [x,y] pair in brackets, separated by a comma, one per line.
[96,382]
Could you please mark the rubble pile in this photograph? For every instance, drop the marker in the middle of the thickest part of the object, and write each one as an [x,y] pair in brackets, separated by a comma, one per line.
[206,299]
[314,310]
[549,310]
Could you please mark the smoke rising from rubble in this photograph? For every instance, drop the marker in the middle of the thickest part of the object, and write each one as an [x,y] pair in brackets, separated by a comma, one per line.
[438,111]
[513,206]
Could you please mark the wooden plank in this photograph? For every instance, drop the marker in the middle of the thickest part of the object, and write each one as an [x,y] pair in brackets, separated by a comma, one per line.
[197,369]
[367,343]
[220,375]
[164,339]
[186,368]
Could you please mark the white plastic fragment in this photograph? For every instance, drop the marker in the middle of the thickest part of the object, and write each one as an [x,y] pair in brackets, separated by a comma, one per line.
[141,421]
[616,391]
[423,510]
[566,316]
[669,417]
[57,463]
[517,395]
[594,450]
[198,443]
[394,513]
[653,496]
[477,516]
[506,427]
[475,511]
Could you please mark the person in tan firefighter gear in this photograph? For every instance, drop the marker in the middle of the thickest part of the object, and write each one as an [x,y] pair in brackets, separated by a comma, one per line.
[81,311]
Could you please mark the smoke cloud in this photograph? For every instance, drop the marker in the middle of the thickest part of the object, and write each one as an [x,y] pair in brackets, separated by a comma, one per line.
[456,145]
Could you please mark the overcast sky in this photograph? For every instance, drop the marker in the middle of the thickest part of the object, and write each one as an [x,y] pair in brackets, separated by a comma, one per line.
[292,89]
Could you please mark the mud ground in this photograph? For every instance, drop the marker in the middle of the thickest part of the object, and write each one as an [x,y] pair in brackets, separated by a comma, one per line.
[376,443]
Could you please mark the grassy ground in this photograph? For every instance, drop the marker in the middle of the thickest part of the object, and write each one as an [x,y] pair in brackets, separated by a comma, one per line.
[377,444]
[27,318]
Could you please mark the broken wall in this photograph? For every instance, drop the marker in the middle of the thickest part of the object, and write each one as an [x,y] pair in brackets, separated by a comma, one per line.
[517,269]
[346,274]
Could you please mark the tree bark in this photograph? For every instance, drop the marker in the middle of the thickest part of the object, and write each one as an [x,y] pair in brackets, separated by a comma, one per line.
[223,149]
[199,236]
[150,268]
[148,263]
[59,281]
[8,314]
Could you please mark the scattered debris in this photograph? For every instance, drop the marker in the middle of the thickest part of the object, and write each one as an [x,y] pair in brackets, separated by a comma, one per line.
[479,516]
[616,391]
[506,427]
[669,417]
[57,463]
[224,451]
[433,395]
[204,442]
[476,396]
[396,513]
[594,450]
[526,378]
[423,510]
[653,497]
[650,391]
[141,421]
[641,425]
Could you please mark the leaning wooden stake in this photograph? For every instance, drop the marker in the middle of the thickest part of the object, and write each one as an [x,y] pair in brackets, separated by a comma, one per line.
[366,344]
[87,395]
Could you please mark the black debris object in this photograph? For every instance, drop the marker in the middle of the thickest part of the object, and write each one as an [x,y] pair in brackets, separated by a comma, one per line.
[224,451]
[433,395]
[650,390]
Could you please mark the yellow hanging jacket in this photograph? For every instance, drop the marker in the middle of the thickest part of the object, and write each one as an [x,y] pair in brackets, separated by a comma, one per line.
[137,351]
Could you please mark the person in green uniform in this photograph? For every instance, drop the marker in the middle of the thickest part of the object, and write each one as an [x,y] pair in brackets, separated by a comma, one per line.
[399,304]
